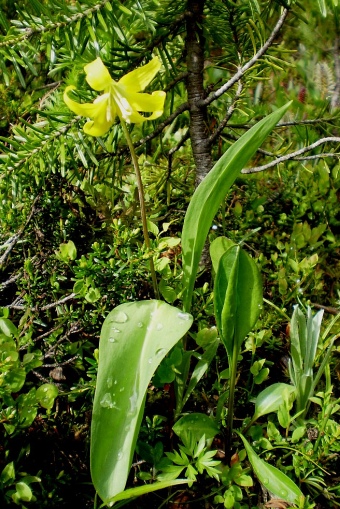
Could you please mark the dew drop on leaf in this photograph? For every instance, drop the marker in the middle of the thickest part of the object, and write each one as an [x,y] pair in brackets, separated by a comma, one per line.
[114,329]
[120,317]
[265,481]
[140,325]
[119,455]
[183,316]
[109,382]
[112,340]
[106,401]
[159,326]
[160,352]
[150,360]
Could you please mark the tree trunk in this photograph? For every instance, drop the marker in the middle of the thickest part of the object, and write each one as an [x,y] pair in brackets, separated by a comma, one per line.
[199,131]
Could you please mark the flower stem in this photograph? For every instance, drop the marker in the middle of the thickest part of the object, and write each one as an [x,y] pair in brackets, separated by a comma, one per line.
[141,203]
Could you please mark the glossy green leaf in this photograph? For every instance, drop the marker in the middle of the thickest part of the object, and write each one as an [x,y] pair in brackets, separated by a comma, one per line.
[212,191]
[143,490]
[272,478]
[270,399]
[24,491]
[237,297]
[46,395]
[8,473]
[134,340]
[217,249]
[198,425]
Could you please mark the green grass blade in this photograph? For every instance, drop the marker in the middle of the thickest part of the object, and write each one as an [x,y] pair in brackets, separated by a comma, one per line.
[211,192]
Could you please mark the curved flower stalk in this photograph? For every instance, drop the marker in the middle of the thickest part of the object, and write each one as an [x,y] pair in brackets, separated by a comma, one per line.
[123,99]
[120,98]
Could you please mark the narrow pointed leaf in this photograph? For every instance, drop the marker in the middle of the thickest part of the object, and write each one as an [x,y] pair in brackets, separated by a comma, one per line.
[212,191]
[272,478]
[134,340]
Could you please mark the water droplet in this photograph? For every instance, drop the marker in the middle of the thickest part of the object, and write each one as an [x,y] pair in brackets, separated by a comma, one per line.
[159,326]
[109,382]
[265,481]
[115,382]
[122,389]
[214,227]
[283,493]
[298,280]
[140,324]
[106,401]
[120,317]
[114,329]
[119,455]
[45,389]
[183,316]
[161,352]
[133,402]
[259,306]
[112,340]
[150,360]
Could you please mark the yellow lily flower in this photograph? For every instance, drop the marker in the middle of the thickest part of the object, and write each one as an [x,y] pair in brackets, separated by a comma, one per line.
[120,98]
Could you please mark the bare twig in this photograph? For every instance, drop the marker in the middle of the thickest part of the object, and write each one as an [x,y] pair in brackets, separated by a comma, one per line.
[328,309]
[228,114]
[59,364]
[290,123]
[182,76]
[11,243]
[14,305]
[183,107]
[293,155]
[9,281]
[215,95]
[174,149]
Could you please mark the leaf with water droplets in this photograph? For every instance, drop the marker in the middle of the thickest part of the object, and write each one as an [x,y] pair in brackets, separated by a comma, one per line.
[146,331]
[274,480]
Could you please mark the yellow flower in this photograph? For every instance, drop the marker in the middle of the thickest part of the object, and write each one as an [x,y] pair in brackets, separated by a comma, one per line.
[122,98]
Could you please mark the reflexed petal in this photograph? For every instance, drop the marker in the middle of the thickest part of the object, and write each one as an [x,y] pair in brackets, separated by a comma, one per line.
[85,109]
[139,78]
[147,102]
[103,117]
[97,75]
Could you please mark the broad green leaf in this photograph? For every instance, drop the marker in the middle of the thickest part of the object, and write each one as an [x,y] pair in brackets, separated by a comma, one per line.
[7,327]
[198,425]
[237,297]
[212,191]
[16,379]
[67,251]
[134,340]
[24,491]
[270,399]
[8,473]
[217,249]
[272,478]
[46,395]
